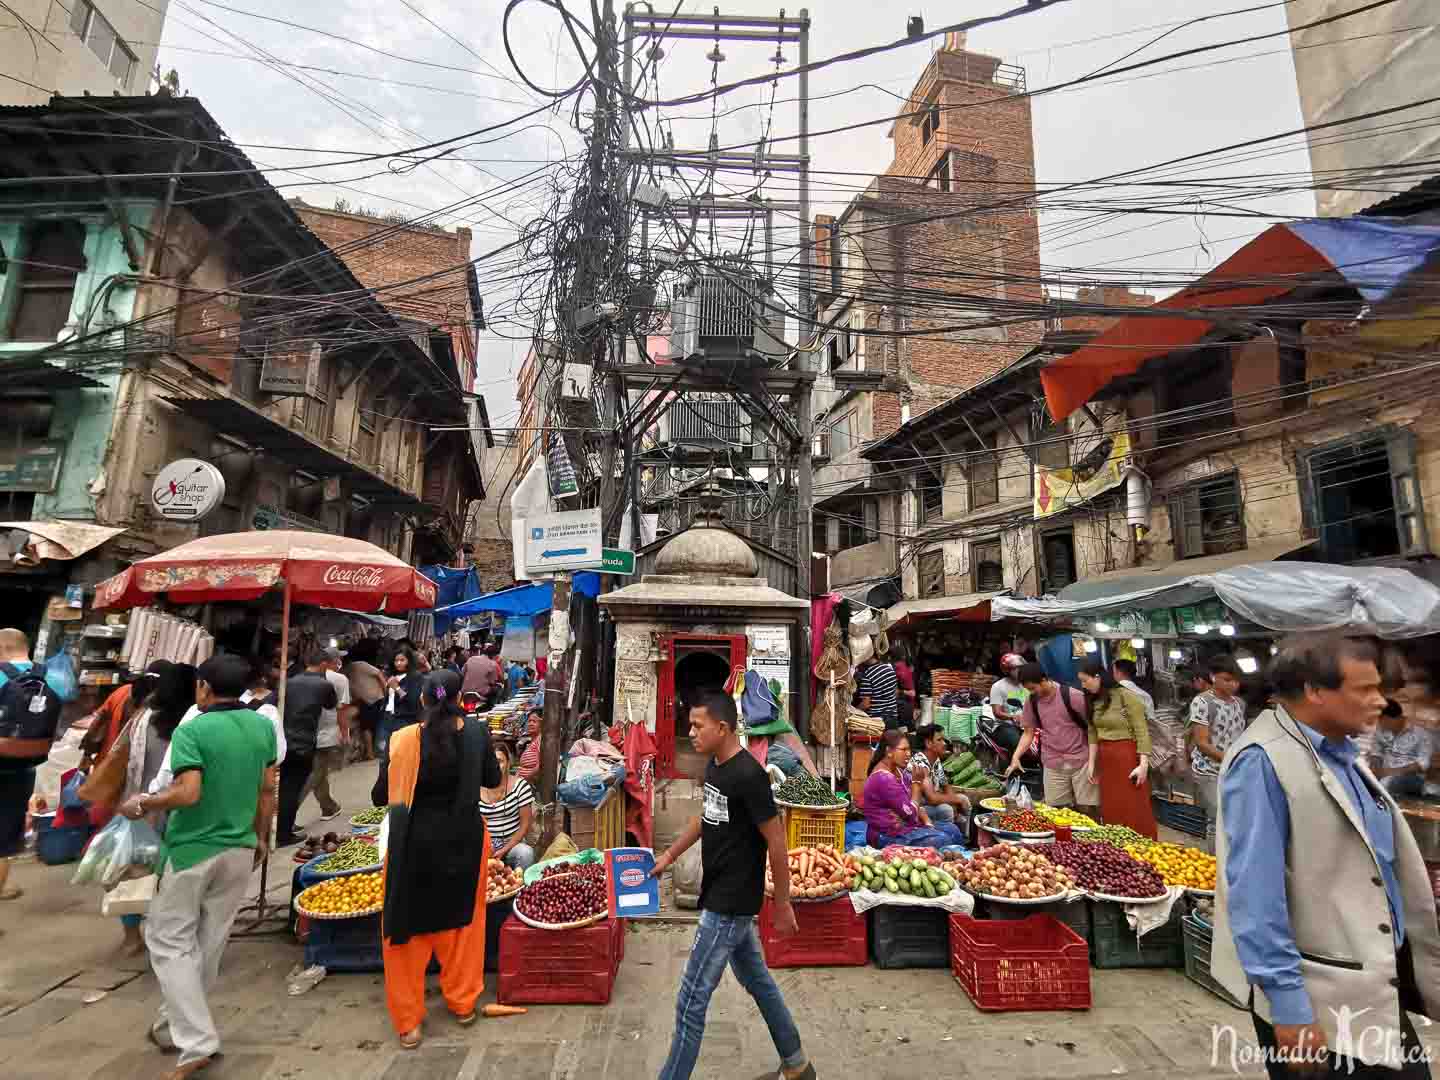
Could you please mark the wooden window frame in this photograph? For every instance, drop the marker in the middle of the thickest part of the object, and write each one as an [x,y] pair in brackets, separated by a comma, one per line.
[977,548]
[931,569]
[987,463]
[34,281]
[1188,501]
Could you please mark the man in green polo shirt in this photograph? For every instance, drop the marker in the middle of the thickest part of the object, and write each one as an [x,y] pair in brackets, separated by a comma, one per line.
[221,804]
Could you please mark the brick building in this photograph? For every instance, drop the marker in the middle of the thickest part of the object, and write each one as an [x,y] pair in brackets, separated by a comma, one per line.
[423,272]
[931,276]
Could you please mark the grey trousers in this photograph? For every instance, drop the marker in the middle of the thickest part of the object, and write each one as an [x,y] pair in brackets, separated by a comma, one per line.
[186,931]
[328,761]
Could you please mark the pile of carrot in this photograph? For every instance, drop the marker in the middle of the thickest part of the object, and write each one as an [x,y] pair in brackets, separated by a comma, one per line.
[815,873]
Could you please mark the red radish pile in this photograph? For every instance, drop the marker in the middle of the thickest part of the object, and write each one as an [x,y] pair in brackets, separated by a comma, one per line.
[565,894]
[1100,868]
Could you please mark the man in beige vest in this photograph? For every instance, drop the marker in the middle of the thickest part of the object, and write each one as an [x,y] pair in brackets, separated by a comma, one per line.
[1324,916]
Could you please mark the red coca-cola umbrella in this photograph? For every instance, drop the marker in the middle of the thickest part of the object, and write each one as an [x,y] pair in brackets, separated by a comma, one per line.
[313,568]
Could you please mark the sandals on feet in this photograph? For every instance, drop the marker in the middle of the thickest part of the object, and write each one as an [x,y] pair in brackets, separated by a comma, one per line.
[411,1039]
[183,1072]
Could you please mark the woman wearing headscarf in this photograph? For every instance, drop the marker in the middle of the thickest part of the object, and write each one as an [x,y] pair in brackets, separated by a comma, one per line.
[1119,750]
[171,693]
[435,866]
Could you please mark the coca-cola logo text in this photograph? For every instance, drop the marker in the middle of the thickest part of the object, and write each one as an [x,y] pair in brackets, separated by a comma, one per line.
[356,577]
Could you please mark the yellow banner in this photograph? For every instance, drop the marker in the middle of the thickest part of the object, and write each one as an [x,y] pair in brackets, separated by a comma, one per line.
[1097,472]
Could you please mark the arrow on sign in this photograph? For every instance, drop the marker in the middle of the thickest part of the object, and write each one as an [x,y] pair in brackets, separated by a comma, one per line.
[562,553]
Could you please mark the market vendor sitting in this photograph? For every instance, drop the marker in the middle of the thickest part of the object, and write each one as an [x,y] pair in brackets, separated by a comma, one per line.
[530,758]
[891,816]
[929,785]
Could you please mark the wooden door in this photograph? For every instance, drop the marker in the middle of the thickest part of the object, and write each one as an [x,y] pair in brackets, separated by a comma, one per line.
[665,711]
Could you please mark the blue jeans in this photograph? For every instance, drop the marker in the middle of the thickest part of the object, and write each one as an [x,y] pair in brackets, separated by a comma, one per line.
[521,857]
[941,813]
[936,836]
[723,939]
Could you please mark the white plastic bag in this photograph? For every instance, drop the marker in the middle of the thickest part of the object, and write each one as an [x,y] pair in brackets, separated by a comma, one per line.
[1015,789]
[119,846]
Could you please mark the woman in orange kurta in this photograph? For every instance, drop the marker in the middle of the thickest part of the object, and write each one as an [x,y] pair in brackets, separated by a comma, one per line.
[436,858]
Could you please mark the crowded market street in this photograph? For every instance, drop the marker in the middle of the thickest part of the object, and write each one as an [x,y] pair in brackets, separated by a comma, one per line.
[860,1021]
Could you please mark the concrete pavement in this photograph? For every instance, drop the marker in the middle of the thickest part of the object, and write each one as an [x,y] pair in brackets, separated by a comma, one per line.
[66,1011]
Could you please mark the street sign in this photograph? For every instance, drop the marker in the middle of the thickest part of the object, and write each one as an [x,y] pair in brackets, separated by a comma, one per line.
[565,541]
[617,561]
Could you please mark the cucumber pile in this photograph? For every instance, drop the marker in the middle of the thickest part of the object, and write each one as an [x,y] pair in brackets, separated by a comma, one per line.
[910,877]
[964,771]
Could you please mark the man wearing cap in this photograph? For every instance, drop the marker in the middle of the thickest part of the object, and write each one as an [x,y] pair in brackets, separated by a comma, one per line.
[1007,696]
[332,738]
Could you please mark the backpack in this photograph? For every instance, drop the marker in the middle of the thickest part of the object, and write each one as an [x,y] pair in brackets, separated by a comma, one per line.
[1066,690]
[29,708]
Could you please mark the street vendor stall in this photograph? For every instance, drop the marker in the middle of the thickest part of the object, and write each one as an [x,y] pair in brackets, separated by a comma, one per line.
[309,568]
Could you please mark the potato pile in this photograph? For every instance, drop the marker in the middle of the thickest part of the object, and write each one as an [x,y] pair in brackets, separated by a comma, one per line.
[1013,871]
[815,873]
[502,881]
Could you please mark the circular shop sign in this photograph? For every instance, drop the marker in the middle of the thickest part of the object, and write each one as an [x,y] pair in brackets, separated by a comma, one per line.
[187,490]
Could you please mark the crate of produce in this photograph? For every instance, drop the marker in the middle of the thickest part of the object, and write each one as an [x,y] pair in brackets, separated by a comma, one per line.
[1114,945]
[56,844]
[1033,964]
[559,967]
[1075,914]
[345,944]
[1180,816]
[812,827]
[909,936]
[1197,937]
[831,934]
[602,826]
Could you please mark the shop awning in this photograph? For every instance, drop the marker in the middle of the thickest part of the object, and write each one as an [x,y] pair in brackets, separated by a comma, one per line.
[31,373]
[970,607]
[1373,257]
[57,539]
[1099,589]
[285,444]
[1285,597]
[522,600]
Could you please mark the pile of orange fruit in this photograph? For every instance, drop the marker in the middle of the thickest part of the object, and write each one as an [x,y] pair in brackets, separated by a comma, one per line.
[344,895]
[1177,864]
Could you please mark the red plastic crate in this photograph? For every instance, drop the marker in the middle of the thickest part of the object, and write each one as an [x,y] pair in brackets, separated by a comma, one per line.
[1030,964]
[559,967]
[831,935]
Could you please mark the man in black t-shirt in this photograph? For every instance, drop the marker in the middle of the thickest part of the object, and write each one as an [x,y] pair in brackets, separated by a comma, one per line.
[306,695]
[740,829]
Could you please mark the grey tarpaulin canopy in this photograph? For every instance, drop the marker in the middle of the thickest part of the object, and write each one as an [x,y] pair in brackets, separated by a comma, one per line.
[1284,596]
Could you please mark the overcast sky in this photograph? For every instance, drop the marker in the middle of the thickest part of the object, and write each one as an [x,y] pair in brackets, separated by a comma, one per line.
[461,80]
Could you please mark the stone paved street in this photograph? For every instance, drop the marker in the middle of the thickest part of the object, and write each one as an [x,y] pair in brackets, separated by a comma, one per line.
[885,1023]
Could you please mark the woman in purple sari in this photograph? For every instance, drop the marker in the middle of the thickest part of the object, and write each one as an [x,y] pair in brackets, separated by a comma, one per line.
[891,816]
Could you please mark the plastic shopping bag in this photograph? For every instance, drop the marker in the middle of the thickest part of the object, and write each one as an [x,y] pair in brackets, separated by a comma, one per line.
[60,676]
[1015,789]
[123,848]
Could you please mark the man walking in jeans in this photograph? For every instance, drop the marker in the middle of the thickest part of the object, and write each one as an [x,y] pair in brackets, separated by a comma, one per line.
[740,828]
[220,806]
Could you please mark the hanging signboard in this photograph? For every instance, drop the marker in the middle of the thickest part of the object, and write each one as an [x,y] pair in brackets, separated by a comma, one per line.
[31,466]
[187,490]
[1075,485]
[565,541]
[292,373]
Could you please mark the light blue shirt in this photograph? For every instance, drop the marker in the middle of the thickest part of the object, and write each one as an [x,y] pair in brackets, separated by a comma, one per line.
[1257,834]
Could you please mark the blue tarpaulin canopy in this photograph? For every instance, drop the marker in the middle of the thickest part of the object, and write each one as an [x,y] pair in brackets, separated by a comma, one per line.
[522,599]
[452,585]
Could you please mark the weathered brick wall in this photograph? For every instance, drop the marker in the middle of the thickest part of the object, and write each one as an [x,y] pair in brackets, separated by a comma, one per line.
[400,254]
[1108,295]
[969,257]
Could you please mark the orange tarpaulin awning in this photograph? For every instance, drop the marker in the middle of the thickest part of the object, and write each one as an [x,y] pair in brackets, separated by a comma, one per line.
[1268,266]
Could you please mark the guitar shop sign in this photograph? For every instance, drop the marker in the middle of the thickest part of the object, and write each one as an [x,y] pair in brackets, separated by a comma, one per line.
[187,490]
